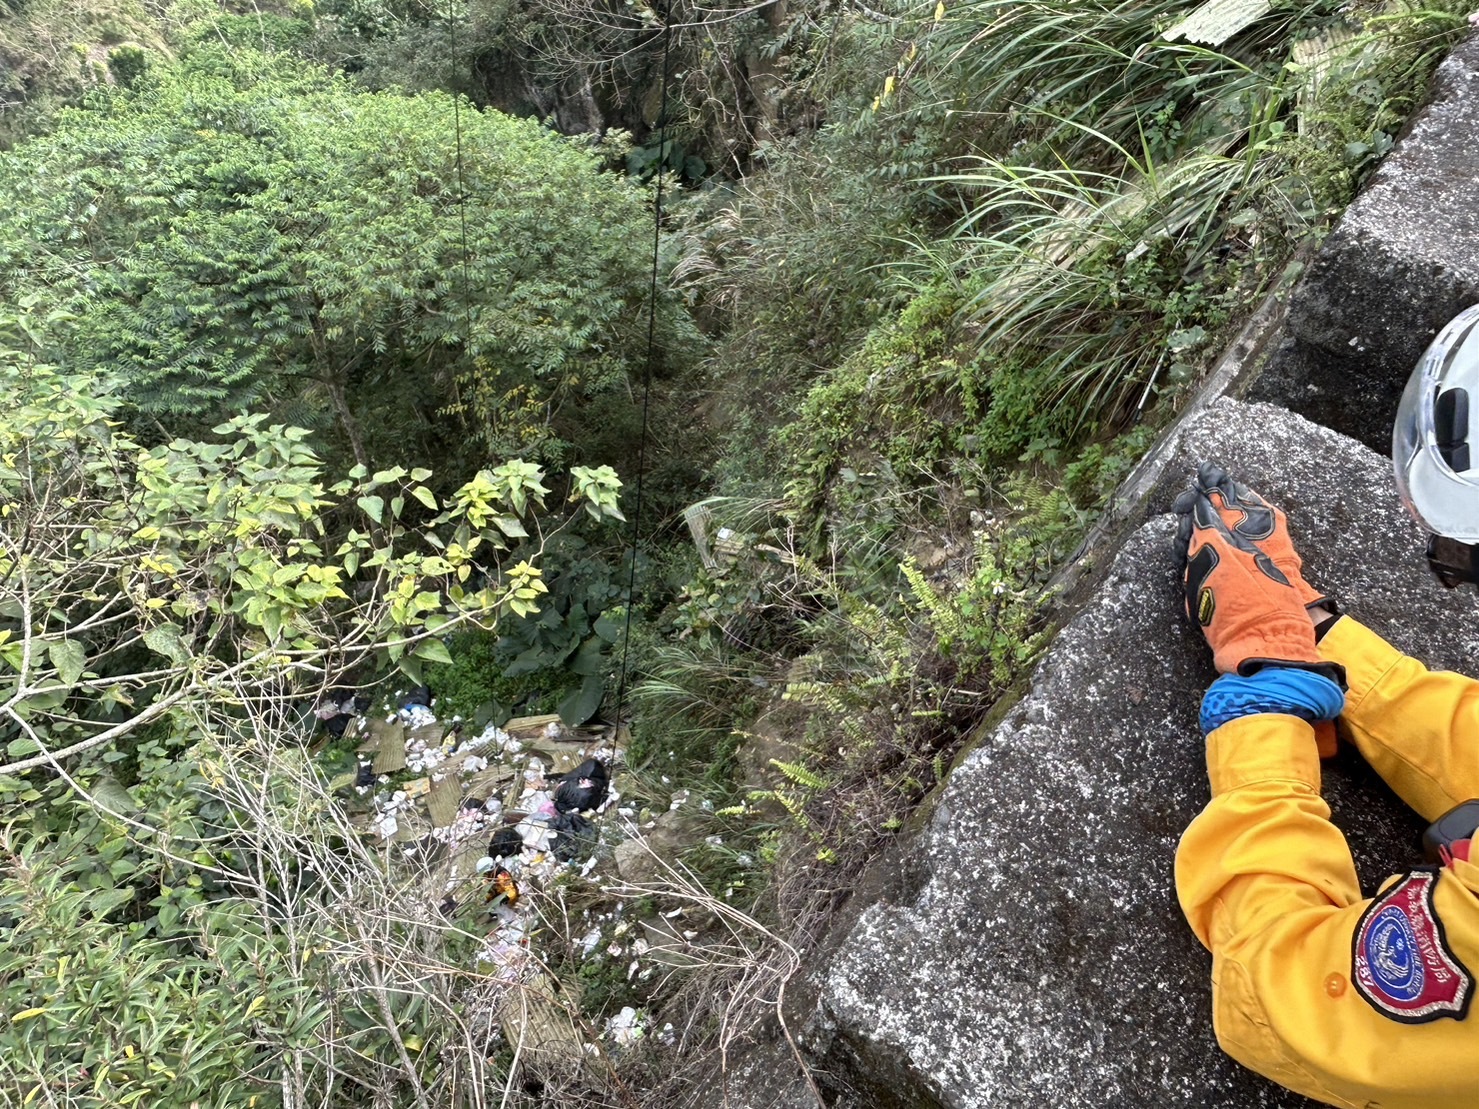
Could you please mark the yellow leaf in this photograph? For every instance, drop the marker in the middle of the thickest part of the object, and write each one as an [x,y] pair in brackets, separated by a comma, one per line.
[26,1014]
[128,1050]
[888,86]
[257,1003]
[30,1097]
[940,11]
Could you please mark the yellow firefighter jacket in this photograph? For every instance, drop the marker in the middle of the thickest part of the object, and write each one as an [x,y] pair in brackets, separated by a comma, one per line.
[1356,1002]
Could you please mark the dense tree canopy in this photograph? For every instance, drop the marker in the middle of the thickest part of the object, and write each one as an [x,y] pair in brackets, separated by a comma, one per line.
[242,231]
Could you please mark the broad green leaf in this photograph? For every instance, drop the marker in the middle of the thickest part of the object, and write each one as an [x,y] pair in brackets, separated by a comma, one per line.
[425,496]
[607,628]
[106,901]
[110,793]
[581,704]
[591,658]
[433,650]
[69,658]
[166,640]
[410,666]
[373,507]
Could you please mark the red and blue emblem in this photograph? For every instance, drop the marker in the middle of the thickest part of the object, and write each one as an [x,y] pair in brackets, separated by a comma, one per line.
[1401,962]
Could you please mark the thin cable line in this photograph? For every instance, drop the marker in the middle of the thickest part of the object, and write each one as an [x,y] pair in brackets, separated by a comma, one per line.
[662,143]
[462,207]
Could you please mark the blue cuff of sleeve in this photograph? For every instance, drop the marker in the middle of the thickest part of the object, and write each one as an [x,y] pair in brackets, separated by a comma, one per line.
[1291,691]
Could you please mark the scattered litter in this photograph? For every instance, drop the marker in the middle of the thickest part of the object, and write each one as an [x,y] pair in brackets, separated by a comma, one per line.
[505,887]
[420,696]
[626,1028]
[417,716]
[589,941]
[583,789]
[1216,21]
[339,708]
[574,836]
[506,843]
[491,820]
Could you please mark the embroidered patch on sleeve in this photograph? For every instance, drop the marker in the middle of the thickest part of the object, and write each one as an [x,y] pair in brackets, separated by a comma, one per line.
[1401,962]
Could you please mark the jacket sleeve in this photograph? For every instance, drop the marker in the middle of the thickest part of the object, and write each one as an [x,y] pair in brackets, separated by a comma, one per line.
[1418,728]
[1264,847]
[1268,885]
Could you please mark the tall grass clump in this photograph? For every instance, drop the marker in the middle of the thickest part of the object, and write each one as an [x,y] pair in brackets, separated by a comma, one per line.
[1126,195]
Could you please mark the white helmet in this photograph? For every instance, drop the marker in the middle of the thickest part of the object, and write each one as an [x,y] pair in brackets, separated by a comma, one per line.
[1437,464]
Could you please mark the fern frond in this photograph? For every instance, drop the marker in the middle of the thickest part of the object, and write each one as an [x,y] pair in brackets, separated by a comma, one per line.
[799,774]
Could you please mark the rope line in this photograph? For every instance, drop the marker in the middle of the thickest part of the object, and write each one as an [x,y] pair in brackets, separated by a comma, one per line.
[662,143]
[462,206]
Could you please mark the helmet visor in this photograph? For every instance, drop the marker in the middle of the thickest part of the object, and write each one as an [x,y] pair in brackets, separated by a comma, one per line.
[1437,467]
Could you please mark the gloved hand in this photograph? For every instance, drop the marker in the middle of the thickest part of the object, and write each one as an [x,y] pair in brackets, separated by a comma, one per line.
[1250,516]
[1248,608]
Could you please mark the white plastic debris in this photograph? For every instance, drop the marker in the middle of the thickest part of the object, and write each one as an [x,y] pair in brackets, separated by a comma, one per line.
[470,824]
[626,1028]
[589,941]
[420,757]
[417,716]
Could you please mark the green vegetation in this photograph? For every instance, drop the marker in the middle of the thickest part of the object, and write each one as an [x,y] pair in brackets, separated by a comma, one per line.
[165,607]
[322,369]
[224,246]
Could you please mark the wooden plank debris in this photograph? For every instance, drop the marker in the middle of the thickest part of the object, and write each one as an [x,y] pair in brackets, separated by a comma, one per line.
[391,755]
[524,726]
[549,1042]
[374,729]
[443,801]
[428,735]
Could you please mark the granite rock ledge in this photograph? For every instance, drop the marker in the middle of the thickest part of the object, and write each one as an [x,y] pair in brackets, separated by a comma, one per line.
[1044,960]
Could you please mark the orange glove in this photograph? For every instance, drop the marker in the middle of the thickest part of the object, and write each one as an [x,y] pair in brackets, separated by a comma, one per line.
[1250,516]
[1265,525]
[1248,609]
